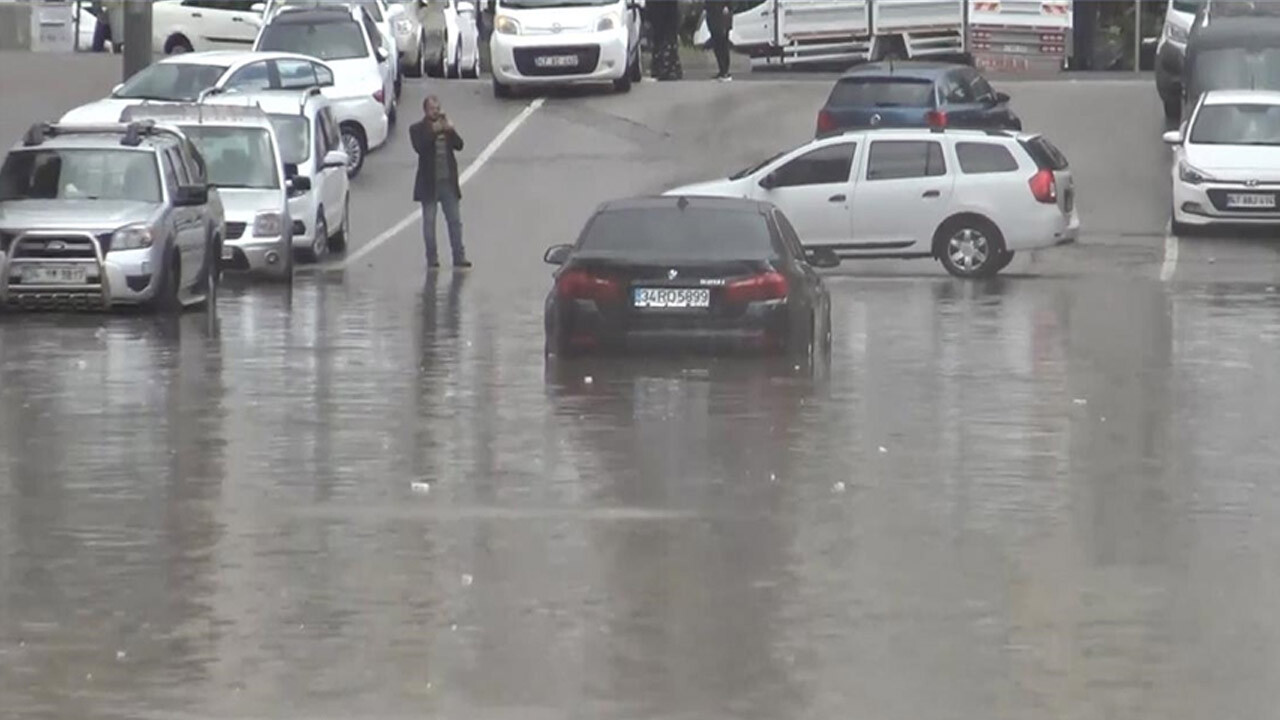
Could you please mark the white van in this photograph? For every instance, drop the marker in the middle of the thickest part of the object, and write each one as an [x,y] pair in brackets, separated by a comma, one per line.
[551,42]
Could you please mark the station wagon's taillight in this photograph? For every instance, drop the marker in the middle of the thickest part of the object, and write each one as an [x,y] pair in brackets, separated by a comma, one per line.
[1044,186]
[826,121]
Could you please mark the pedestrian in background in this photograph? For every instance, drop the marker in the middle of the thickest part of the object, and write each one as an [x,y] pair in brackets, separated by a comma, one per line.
[719,23]
[436,140]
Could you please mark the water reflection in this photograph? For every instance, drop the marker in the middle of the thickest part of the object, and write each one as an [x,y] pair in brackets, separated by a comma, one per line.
[1023,498]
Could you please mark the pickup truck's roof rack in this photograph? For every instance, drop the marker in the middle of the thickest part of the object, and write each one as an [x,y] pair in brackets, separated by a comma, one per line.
[134,132]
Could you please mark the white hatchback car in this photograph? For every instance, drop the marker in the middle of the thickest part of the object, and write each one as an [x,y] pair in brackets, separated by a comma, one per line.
[969,198]
[345,40]
[183,26]
[1226,166]
[311,147]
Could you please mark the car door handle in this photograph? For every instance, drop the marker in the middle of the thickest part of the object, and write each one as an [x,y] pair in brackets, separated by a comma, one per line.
[199,15]
[932,194]
[237,19]
[837,198]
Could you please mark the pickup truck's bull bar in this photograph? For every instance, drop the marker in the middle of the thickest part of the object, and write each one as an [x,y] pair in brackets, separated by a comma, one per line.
[93,294]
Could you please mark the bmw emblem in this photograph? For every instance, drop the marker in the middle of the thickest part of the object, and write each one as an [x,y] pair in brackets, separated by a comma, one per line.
[672,273]
[555,27]
[875,119]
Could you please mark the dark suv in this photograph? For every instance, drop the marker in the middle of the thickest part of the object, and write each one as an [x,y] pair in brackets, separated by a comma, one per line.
[915,94]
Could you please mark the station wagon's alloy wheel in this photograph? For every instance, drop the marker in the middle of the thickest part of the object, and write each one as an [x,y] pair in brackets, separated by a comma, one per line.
[971,248]
[353,144]
[320,243]
[338,243]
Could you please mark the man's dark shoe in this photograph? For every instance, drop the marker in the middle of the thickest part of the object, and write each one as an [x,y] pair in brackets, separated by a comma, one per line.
[462,264]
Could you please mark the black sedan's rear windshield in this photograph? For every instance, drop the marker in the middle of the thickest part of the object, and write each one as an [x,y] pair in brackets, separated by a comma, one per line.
[667,234]
[882,92]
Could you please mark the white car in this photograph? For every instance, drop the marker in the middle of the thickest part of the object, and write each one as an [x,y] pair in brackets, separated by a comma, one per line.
[969,198]
[380,15]
[242,160]
[1226,166]
[183,26]
[553,42]
[344,39]
[311,147]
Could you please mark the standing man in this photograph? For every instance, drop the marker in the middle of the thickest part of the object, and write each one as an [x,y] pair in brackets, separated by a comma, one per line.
[435,140]
[719,23]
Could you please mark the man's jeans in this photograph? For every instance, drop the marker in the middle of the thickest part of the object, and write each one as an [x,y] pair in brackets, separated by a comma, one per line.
[447,199]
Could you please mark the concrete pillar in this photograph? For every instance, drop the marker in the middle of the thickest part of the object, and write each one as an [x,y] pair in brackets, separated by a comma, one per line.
[15,25]
[137,36]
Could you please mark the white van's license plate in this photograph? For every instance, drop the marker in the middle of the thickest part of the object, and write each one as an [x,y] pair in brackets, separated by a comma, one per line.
[1249,200]
[556,61]
[672,298]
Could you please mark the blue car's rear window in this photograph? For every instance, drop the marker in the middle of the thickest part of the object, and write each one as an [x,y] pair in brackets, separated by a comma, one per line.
[882,92]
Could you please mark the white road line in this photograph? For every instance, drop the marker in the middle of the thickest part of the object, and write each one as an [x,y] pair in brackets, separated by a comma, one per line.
[470,171]
[1170,264]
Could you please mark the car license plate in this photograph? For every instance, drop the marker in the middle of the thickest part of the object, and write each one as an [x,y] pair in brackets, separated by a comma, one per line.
[672,298]
[228,253]
[54,275]
[1250,200]
[554,61]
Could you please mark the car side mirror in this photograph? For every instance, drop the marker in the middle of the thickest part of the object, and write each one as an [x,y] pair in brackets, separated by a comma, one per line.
[290,170]
[395,9]
[258,8]
[557,254]
[769,182]
[191,195]
[1002,98]
[300,184]
[335,158]
[116,89]
[822,258]
[382,54]
[1173,137]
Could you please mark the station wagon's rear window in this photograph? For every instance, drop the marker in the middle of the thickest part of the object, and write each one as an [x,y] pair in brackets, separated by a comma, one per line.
[882,92]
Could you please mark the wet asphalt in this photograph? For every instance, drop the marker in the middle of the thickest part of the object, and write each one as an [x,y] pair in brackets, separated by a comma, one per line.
[1048,495]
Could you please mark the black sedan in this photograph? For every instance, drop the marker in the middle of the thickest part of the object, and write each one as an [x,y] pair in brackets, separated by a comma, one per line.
[691,272]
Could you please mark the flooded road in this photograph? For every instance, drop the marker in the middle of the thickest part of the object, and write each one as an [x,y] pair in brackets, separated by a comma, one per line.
[1029,498]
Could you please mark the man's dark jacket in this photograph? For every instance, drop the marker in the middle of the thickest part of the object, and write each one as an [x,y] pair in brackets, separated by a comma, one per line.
[718,23]
[424,143]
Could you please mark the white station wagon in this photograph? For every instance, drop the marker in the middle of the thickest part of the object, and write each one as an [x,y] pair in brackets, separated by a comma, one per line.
[969,198]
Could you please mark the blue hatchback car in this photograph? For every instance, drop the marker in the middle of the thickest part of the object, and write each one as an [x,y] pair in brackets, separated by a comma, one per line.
[915,94]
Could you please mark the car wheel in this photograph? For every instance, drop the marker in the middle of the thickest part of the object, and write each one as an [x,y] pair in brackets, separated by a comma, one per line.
[475,65]
[500,90]
[1003,260]
[455,71]
[623,84]
[338,243]
[168,298]
[355,145]
[969,247]
[1179,229]
[635,71]
[177,45]
[418,66]
[320,240]
[1172,107]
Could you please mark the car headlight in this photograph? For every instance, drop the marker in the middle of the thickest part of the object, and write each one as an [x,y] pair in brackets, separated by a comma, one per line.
[506,25]
[1177,34]
[131,237]
[608,22]
[267,224]
[1191,175]
[404,26]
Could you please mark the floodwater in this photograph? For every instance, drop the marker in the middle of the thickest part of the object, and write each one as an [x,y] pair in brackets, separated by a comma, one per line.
[1026,498]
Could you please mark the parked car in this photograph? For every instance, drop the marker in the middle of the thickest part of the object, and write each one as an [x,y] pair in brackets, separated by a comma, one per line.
[311,147]
[183,26]
[453,32]
[915,94]
[1171,50]
[1226,168]
[102,216]
[346,41]
[550,42]
[1229,53]
[704,273]
[968,198]
[242,160]
[378,14]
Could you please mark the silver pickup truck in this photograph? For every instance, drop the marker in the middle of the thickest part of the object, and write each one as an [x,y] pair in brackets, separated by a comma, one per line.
[100,216]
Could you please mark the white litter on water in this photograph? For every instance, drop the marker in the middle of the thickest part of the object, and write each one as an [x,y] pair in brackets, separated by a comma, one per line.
[420,487]
[588,379]
[838,487]
[1080,401]
[884,449]
[120,654]
[467,580]
[773,477]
